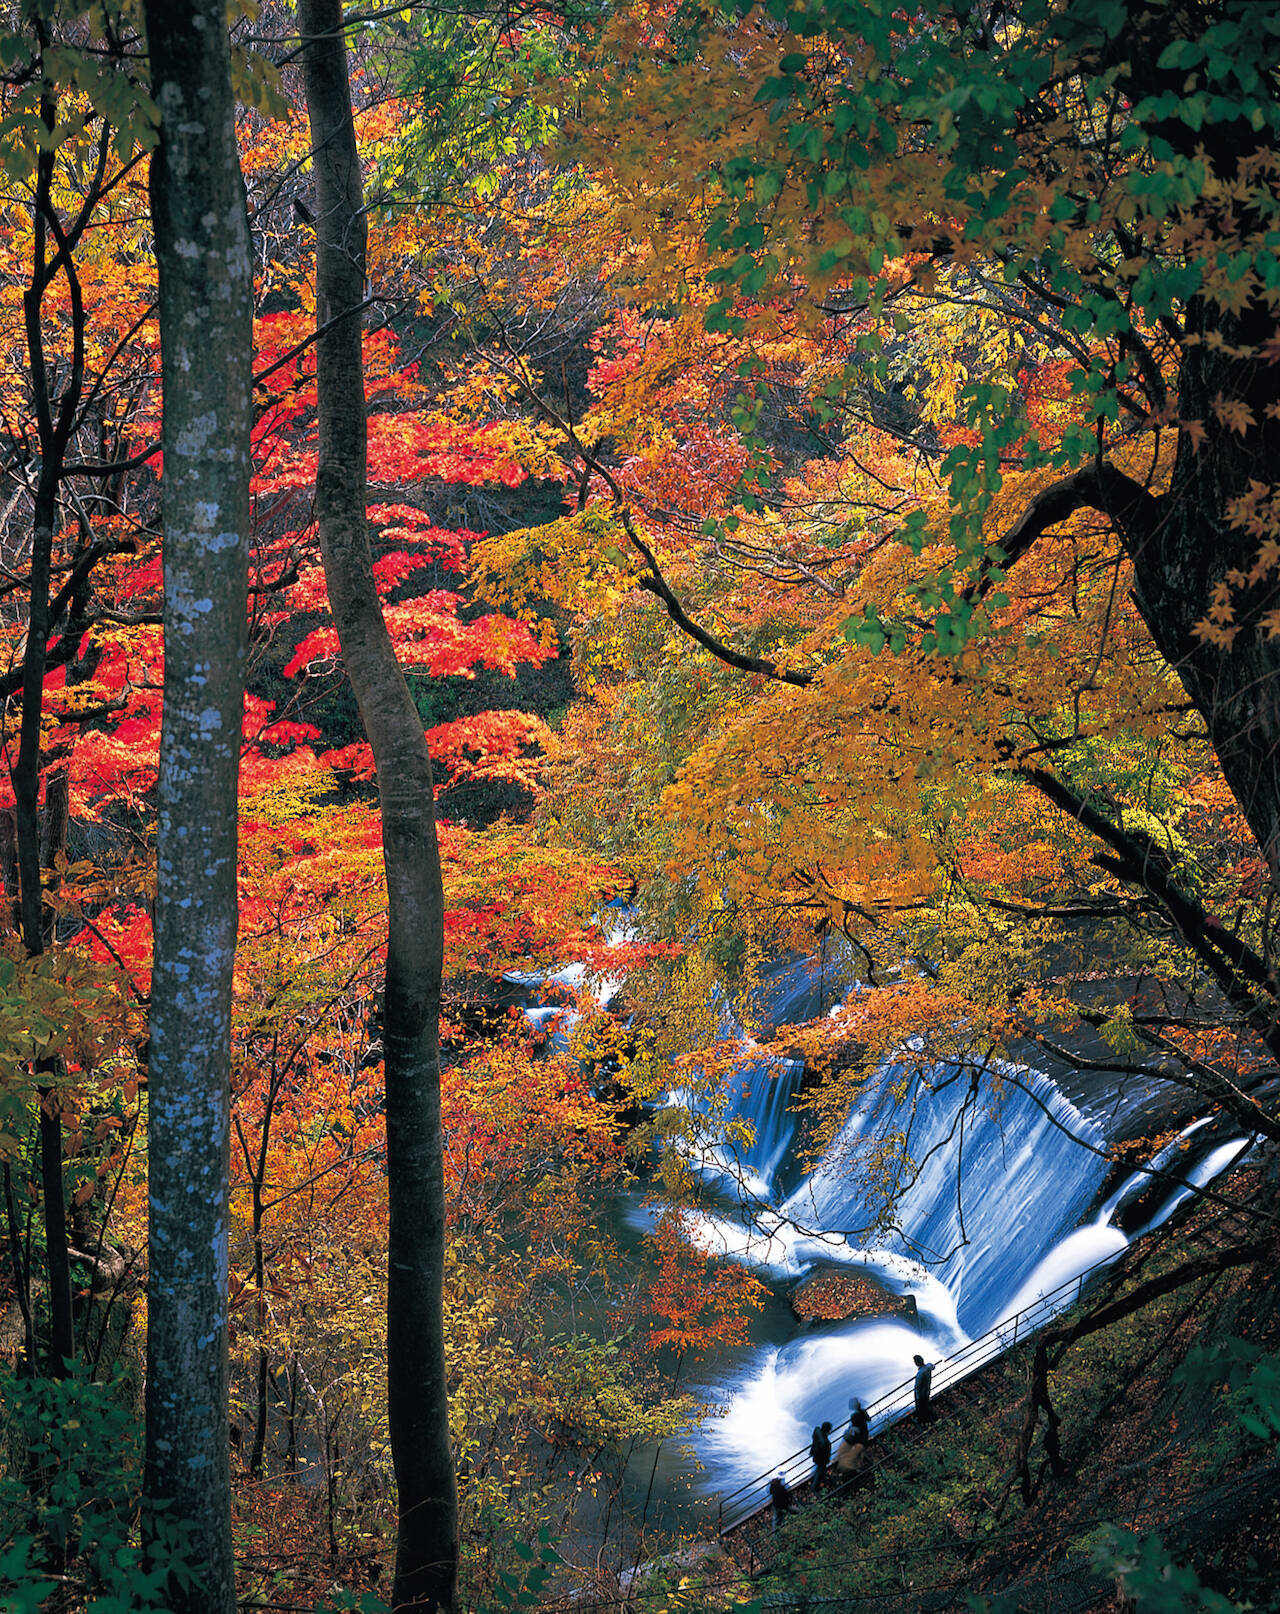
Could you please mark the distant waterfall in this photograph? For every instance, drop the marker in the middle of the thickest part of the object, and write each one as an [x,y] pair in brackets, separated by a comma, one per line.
[760,1092]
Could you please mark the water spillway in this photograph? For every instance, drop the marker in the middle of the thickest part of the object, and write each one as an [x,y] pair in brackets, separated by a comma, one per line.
[963,1200]
[973,1198]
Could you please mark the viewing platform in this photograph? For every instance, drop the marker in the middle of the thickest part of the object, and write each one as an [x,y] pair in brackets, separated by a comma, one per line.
[747,1511]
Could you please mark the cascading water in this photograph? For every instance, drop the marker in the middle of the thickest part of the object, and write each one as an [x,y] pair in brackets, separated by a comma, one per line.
[985,1210]
[990,1177]
[983,1213]
[760,1094]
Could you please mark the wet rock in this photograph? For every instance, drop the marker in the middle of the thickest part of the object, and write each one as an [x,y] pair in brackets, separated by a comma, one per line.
[832,1296]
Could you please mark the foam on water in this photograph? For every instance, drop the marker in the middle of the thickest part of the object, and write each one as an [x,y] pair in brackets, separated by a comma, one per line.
[1204,1171]
[604,988]
[789,1389]
[1064,1263]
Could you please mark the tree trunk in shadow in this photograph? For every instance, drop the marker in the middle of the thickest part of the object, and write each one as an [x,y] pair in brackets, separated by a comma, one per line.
[417,1401]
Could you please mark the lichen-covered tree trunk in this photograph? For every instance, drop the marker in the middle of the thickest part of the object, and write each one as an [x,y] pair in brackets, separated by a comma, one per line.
[206,301]
[417,1402]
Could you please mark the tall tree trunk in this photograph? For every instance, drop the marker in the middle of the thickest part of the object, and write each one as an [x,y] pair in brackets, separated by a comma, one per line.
[53,429]
[62,1340]
[1193,539]
[206,303]
[417,1401]
[1194,545]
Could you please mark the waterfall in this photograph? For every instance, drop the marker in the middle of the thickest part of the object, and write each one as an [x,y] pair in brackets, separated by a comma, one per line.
[760,1093]
[555,1021]
[985,1212]
[974,1199]
[987,1177]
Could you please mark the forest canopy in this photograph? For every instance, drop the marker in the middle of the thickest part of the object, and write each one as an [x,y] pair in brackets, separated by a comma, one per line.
[516,525]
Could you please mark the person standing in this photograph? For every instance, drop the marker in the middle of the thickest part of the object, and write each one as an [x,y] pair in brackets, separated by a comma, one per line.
[820,1451]
[924,1390]
[851,1461]
[859,1428]
[781,1497]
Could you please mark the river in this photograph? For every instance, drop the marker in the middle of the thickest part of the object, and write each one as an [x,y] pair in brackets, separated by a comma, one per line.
[1003,1193]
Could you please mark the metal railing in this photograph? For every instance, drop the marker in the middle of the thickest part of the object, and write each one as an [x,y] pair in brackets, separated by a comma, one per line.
[738,1506]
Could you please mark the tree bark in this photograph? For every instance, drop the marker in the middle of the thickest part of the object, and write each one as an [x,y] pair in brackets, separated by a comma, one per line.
[417,1401]
[1178,561]
[1191,542]
[206,303]
[53,430]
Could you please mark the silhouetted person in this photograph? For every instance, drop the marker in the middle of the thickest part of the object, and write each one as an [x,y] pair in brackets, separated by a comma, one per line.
[859,1429]
[820,1451]
[924,1389]
[781,1497]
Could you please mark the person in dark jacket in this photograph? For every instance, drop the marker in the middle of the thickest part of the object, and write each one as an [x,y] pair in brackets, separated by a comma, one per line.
[781,1497]
[820,1451]
[924,1390]
[859,1429]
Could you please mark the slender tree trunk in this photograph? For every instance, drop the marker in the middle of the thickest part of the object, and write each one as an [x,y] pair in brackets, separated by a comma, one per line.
[291,1450]
[256,1169]
[257,1454]
[417,1401]
[62,1344]
[206,301]
[21,1272]
[53,431]
[62,1339]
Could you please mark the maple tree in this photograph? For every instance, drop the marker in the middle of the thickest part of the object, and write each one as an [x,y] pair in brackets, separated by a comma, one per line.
[862,403]
[1009,273]
[287,1147]
[528,1149]
[74,183]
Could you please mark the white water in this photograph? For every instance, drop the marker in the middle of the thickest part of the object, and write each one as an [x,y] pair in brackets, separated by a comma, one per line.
[982,1217]
[986,1217]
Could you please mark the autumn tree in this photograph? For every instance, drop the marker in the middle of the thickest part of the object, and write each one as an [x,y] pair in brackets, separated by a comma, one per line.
[1020,259]
[206,315]
[72,160]
[1116,245]
[417,1403]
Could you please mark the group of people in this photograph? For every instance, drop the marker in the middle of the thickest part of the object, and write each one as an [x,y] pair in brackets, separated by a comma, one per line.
[851,1457]
[846,1470]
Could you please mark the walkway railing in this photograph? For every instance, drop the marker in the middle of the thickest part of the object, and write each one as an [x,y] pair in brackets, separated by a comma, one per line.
[748,1499]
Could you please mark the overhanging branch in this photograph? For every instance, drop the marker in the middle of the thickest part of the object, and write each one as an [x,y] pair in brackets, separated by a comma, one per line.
[1133,509]
[654,583]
